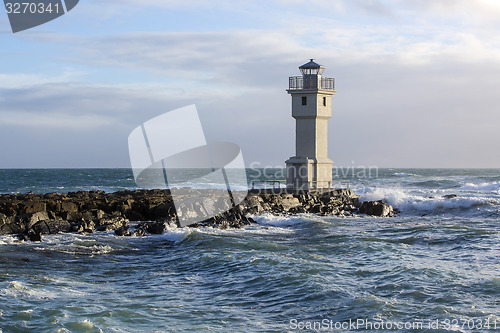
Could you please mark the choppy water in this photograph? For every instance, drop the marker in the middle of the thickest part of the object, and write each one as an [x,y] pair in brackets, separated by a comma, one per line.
[438,260]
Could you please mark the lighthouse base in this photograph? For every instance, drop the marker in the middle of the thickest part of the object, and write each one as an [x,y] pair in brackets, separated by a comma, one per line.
[308,173]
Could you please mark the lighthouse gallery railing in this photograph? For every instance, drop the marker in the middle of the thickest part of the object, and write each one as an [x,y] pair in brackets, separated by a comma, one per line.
[298,82]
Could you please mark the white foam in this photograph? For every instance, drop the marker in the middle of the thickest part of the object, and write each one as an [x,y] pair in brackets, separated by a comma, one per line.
[278,221]
[84,325]
[403,174]
[484,187]
[406,202]
[101,249]
[73,243]
[17,289]
[87,324]
[431,204]
[61,330]
[174,234]
[393,196]
[267,230]
[8,240]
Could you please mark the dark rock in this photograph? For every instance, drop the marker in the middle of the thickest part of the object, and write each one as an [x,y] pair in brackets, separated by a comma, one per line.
[108,224]
[155,228]
[160,211]
[22,237]
[376,208]
[35,236]
[298,210]
[77,227]
[139,232]
[122,231]
[68,207]
[51,227]
[134,215]
[34,207]
[316,209]
[90,211]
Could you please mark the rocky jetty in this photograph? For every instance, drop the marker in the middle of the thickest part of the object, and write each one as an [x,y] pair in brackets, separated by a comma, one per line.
[143,212]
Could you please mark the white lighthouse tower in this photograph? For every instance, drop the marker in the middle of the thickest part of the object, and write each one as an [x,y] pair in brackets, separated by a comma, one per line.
[312,93]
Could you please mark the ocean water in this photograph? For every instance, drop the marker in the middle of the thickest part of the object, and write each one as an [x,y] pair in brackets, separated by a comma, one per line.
[435,267]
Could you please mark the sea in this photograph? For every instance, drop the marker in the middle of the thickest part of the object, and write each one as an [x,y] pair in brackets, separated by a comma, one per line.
[434,267]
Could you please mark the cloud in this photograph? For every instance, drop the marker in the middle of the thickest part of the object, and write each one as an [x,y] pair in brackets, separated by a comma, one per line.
[238,57]
[400,94]
[51,120]
[413,33]
[415,82]
[225,58]
[19,80]
[78,106]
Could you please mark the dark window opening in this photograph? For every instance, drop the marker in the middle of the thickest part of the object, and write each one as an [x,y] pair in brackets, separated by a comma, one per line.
[324,101]
[304,100]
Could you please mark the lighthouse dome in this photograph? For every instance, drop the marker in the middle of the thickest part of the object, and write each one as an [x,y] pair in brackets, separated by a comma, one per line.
[311,68]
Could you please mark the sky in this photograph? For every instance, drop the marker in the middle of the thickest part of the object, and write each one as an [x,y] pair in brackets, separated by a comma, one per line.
[417,81]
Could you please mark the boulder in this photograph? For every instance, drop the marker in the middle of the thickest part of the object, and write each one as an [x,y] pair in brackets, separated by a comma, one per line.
[155,228]
[47,227]
[376,208]
[290,202]
[33,215]
[108,224]
[66,207]
[123,231]
[34,207]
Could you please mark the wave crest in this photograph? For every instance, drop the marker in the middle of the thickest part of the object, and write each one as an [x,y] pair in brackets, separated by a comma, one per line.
[438,204]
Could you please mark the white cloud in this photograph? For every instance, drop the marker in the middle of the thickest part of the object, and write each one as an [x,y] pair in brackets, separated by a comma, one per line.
[21,80]
[413,76]
[54,120]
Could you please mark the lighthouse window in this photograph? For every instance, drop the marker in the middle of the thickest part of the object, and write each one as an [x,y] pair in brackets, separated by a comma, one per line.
[324,101]
[304,100]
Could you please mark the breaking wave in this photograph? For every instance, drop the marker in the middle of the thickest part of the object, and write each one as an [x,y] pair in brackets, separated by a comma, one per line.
[433,203]
[483,187]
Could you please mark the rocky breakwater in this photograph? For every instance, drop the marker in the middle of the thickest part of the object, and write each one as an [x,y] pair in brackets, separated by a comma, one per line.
[143,212]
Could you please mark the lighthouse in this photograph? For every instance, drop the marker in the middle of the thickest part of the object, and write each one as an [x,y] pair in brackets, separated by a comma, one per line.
[312,93]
